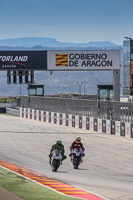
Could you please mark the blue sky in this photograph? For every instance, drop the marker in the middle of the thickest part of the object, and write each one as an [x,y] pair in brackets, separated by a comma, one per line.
[67,20]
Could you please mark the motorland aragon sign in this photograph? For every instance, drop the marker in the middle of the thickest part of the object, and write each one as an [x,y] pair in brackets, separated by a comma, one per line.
[83,60]
[23,60]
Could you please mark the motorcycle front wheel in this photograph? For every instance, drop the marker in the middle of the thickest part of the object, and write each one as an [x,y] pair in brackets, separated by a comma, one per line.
[55,164]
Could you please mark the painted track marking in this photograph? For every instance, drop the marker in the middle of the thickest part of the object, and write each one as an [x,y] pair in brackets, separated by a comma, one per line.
[53,184]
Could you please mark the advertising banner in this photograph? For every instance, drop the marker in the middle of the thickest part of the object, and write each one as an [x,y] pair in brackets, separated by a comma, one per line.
[52,117]
[28,113]
[127,130]
[21,112]
[108,126]
[42,116]
[91,124]
[99,124]
[37,115]
[33,114]
[117,128]
[76,121]
[84,122]
[47,116]
[70,120]
[83,60]
[24,112]
[58,118]
[23,60]
[64,119]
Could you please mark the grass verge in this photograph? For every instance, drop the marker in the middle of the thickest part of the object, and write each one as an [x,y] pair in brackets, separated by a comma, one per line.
[27,189]
[5,114]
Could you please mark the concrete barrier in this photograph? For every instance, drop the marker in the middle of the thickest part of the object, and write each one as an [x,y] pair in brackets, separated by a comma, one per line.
[55,118]
[99,125]
[33,114]
[87,123]
[122,130]
[67,120]
[52,117]
[42,116]
[37,115]
[64,119]
[70,121]
[117,128]
[95,124]
[76,121]
[47,116]
[13,111]
[91,124]
[108,126]
[103,126]
[58,118]
[84,123]
[21,112]
[73,120]
[113,127]
[80,122]
[127,130]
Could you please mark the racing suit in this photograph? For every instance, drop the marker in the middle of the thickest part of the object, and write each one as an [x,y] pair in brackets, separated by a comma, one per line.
[59,147]
[77,145]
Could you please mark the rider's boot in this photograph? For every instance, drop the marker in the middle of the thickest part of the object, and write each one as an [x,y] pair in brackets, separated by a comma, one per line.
[50,161]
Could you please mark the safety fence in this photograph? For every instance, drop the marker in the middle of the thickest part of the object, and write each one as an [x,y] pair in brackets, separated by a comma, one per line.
[80,121]
[117,111]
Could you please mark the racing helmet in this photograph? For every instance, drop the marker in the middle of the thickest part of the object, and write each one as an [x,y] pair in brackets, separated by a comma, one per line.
[78,139]
[59,142]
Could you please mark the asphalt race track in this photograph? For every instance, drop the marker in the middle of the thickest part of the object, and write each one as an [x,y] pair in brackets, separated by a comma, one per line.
[107,169]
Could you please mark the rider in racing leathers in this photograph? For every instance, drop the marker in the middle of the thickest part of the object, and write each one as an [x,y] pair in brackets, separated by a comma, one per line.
[58,146]
[77,144]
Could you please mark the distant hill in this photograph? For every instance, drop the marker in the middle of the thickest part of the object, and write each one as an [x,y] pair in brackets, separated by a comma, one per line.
[50,42]
[59,82]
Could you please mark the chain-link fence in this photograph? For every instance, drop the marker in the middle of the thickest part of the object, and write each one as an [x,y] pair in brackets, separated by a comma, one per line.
[117,111]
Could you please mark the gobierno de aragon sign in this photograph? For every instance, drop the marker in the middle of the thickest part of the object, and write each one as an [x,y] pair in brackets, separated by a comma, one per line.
[61,60]
[83,60]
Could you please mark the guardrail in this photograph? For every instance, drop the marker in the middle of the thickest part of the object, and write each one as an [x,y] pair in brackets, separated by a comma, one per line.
[117,111]
[13,111]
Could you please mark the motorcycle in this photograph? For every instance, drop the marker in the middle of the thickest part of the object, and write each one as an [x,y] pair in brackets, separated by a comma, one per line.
[56,159]
[76,157]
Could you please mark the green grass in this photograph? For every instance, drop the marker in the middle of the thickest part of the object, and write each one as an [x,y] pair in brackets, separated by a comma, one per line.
[7,114]
[26,189]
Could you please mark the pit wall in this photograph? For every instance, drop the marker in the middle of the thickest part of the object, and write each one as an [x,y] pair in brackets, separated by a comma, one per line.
[118,128]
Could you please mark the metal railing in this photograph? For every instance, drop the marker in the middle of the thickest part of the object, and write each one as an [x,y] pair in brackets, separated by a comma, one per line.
[117,111]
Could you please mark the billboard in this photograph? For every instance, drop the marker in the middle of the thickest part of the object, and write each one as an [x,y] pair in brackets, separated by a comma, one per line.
[26,60]
[60,60]
[83,60]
